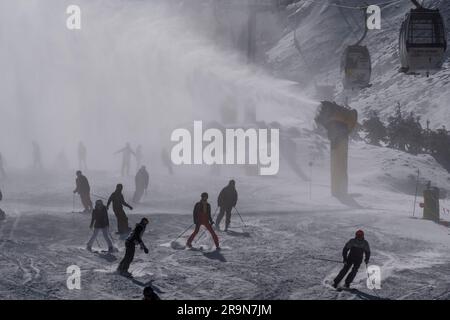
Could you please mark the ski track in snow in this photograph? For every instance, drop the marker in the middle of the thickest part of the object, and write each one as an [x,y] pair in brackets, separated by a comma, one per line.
[271,263]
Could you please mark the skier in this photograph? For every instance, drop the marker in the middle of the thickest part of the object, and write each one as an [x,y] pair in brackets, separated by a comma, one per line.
[226,201]
[150,294]
[84,190]
[130,247]
[202,216]
[2,213]
[100,222]
[353,256]
[118,202]
[166,160]
[82,156]
[37,160]
[127,152]
[139,156]
[2,168]
[141,181]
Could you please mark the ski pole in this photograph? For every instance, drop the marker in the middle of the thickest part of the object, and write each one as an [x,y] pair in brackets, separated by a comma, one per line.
[203,232]
[100,197]
[183,233]
[323,259]
[245,226]
[415,196]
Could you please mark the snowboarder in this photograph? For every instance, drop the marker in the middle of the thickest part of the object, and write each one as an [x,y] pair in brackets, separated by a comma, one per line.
[135,238]
[139,156]
[37,160]
[2,168]
[141,181]
[84,190]
[226,201]
[353,253]
[202,216]
[127,152]
[82,156]
[2,213]
[100,222]
[118,202]
[150,294]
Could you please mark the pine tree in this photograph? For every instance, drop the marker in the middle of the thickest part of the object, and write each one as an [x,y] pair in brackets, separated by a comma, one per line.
[375,129]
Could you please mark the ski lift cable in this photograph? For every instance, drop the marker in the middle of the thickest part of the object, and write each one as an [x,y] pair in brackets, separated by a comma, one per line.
[358,7]
[384,4]
[366,29]
[344,16]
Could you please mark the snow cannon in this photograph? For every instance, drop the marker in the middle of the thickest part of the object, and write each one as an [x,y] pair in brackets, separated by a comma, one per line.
[339,121]
[431,203]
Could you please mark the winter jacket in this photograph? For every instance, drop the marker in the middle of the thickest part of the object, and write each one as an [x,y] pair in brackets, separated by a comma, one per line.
[198,209]
[117,201]
[100,218]
[227,197]
[142,179]
[354,251]
[82,185]
[136,236]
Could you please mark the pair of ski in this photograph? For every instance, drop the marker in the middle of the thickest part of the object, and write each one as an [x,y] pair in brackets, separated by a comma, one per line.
[339,288]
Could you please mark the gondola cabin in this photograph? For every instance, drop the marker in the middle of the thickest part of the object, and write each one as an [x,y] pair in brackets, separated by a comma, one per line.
[356,67]
[423,41]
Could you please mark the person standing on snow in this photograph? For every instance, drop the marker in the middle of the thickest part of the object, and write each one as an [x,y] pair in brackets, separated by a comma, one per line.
[141,181]
[150,294]
[100,222]
[226,201]
[353,253]
[202,217]
[135,238]
[84,190]
[118,202]
[127,152]
[167,162]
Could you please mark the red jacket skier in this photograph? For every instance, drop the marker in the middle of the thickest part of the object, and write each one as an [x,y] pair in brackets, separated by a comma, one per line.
[202,216]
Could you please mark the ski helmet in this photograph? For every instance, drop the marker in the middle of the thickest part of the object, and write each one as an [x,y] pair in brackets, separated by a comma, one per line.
[204,195]
[359,234]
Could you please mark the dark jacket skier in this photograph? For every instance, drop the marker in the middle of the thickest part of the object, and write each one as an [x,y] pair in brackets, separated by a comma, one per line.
[135,238]
[100,223]
[226,201]
[202,217]
[150,294]
[353,253]
[166,160]
[141,181]
[84,190]
[118,202]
